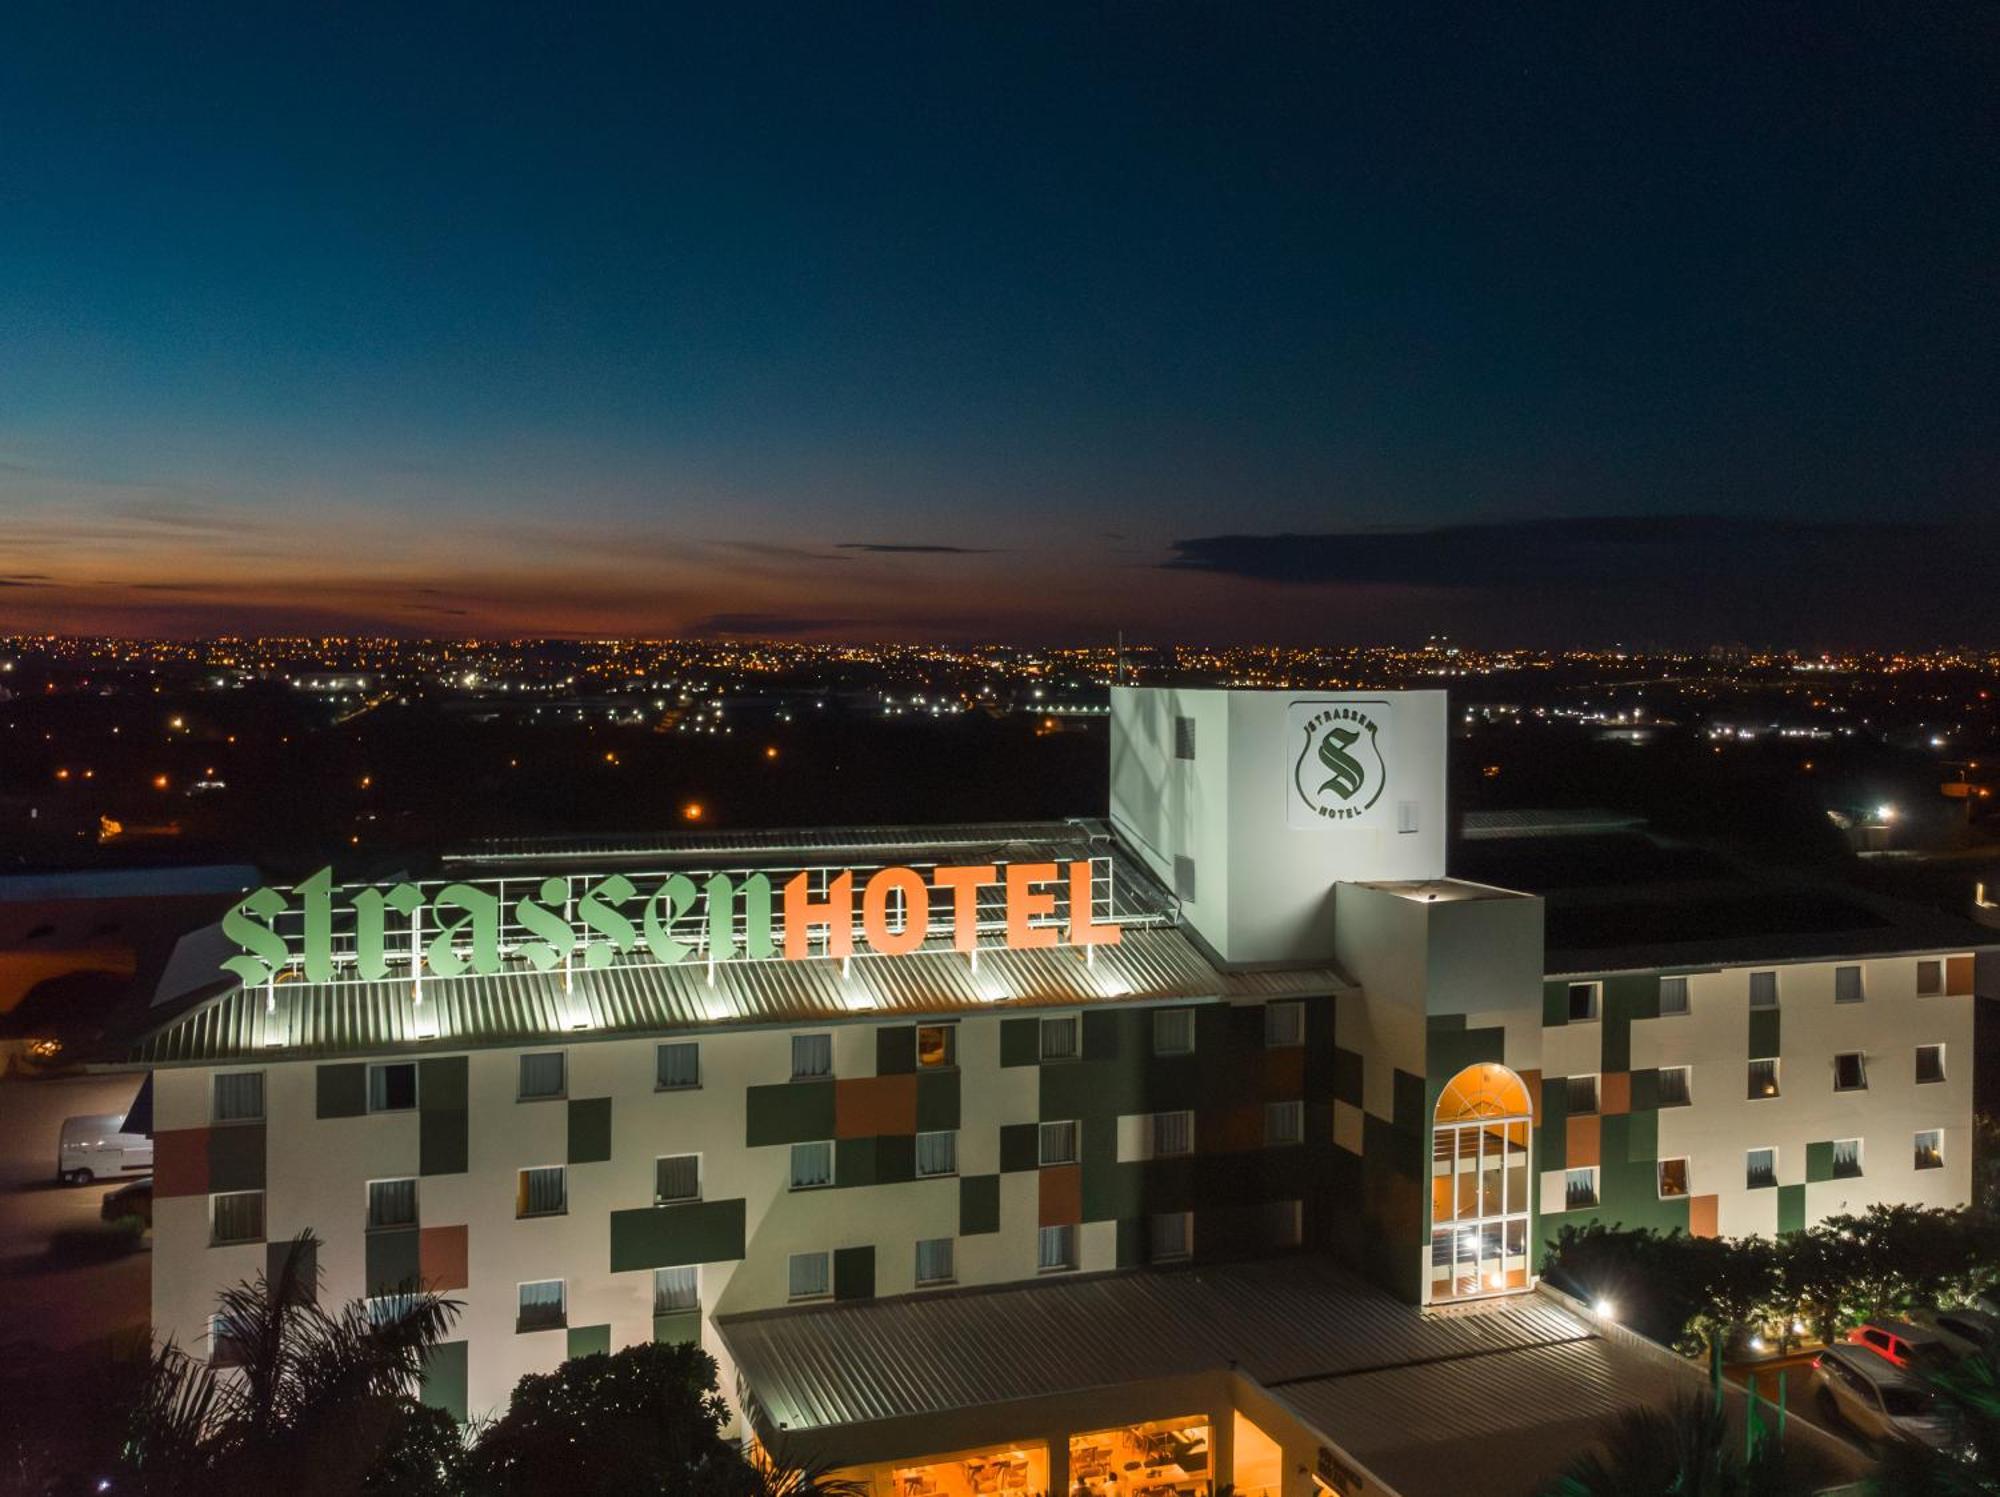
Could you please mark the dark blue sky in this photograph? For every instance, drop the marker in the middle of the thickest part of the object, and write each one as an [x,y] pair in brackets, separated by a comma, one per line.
[463,318]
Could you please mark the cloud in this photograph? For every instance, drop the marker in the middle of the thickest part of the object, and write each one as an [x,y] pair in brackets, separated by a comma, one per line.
[26,579]
[886,548]
[779,552]
[457,613]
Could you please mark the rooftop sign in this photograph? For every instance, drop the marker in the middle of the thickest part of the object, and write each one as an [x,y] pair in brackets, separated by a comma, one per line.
[369,933]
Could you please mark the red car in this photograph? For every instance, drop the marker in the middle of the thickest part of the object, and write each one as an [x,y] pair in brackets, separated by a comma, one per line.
[1910,1347]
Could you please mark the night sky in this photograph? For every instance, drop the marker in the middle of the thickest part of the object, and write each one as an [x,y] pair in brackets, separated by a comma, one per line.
[1329,323]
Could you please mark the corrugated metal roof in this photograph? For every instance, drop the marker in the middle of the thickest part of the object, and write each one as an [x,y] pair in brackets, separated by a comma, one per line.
[1278,1320]
[1154,964]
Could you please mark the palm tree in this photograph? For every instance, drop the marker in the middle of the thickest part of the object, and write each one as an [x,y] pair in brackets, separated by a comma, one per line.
[1686,1450]
[1968,1397]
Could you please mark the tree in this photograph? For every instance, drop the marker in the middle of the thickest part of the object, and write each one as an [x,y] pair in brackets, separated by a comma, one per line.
[1686,1450]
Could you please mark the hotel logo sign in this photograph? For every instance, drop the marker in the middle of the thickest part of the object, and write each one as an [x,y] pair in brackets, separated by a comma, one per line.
[1337,753]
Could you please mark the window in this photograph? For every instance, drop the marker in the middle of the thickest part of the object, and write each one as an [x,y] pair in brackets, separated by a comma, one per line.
[228,1345]
[1930,1064]
[1284,1123]
[1169,1236]
[812,1056]
[676,1177]
[1284,1025]
[1173,1133]
[1582,1094]
[1057,1143]
[1846,1158]
[388,1309]
[541,1076]
[811,1275]
[1847,985]
[1930,1149]
[1850,1072]
[1763,990]
[937,1046]
[1673,1178]
[1580,1188]
[1060,1039]
[542,1192]
[1673,995]
[392,1088]
[239,1097]
[541,1307]
[937,1153]
[1055,1248]
[677,1067]
[1675,1086]
[812,1165]
[676,1289]
[236,1217]
[392,1203]
[1930,978]
[1173,1031]
[1283,1223]
[1760,1169]
[1763,1079]
[1582,1001]
[1183,738]
[934,1261]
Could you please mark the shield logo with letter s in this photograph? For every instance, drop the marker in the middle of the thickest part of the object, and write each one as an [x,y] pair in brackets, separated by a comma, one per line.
[1339,764]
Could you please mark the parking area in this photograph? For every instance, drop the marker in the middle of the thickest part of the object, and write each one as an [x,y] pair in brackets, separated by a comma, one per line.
[66,1278]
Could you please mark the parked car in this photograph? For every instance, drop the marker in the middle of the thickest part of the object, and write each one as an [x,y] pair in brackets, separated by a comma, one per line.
[1975,1330]
[92,1148]
[1876,1399]
[1912,1347]
[133,1198]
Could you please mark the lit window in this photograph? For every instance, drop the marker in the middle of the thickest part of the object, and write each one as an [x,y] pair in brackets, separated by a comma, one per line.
[812,1056]
[1582,1001]
[237,1216]
[1847,985]
[1284,1025]
[541,1307]
[676,1177]
[811,1275]
[239,1097]
[392,1087]
[1055,1248]
[1284,1123]
[676,1289]
[678,1066]
[1763,990]
[1057,1143]
[392,1203]
[1850,1073]
[1763,1079]
[937,1153]
[1673,995]
[1930,1150]
[1169,1236]
[1173,1133]
[934,1264]
[1173,1031]
[1581,1093]
[936,1045]
[1930,1063]
[1059,1039]
[1673,1178]
[1760,1169]
[812,1165]
[1930,978]
[1675,1086]
[1846,1158]
[543,1191]
[542,1076]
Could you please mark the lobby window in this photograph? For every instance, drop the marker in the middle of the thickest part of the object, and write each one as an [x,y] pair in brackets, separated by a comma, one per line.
[1284,1223]
[1846,1158]
[1930,1149]
[543,1191]
[934,1265]
[1673,1178]
[677,1067]
[1060,1038]
[937,1153]
[1055,1248]
[1760,1169]
[1169,1236]
[392,1087]
[1173,1133]
[391,1203]
[1581,1093]
[1930,1064]
[812,1057]
[676,1289]
[239,1097]
[1763,990]
[812,1165]
[1582,1001]
[937,1046]
[1930,977]
[1847,985]
[1173,1031]
[542,1076]
[810,1276]
[1284,1123]
[541,1306]
[1763,1079]
[1673,996]
[1284,1025]
[1850,1072]
[237,1216]
[676,1177]
[1676,1088]
[1056,1143]
[1580,1188]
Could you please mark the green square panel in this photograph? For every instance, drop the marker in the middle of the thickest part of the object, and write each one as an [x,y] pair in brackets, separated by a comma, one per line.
[1132,1242]
[342,1090]
[791,1112]
[1792,1206]
[978,1205]
[896,1050]
[674,1236]
[1555,1004]
[1645,1090]
[236,1156]
[589,1340]
[895,1158]
[444,1378]
[854,1273]
[443,1141]
[937,1101]
[1347,1076]
[394,1264]
[1819,1162]
[676,1326]
[1763,1033]
[1411,1113]
[1020,1147]
[1020,1042]
[441,1084]
[589,1130]
[854,1162]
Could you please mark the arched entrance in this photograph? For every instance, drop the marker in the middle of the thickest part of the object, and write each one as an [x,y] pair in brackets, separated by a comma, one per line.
[1481,1148]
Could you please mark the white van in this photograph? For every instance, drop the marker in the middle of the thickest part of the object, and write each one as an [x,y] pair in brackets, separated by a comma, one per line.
[94,1149]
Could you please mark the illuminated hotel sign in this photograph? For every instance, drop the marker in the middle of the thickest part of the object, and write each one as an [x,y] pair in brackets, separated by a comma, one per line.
[328,933]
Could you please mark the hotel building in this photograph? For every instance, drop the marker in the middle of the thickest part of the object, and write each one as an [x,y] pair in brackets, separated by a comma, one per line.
[1214,1140]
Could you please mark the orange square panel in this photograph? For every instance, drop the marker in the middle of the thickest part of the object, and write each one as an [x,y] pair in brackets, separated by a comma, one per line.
[1582,1142]
[864,1106]
[1702,1217]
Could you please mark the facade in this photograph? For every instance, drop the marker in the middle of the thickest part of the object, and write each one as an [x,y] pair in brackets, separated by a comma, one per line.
[891,1087]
